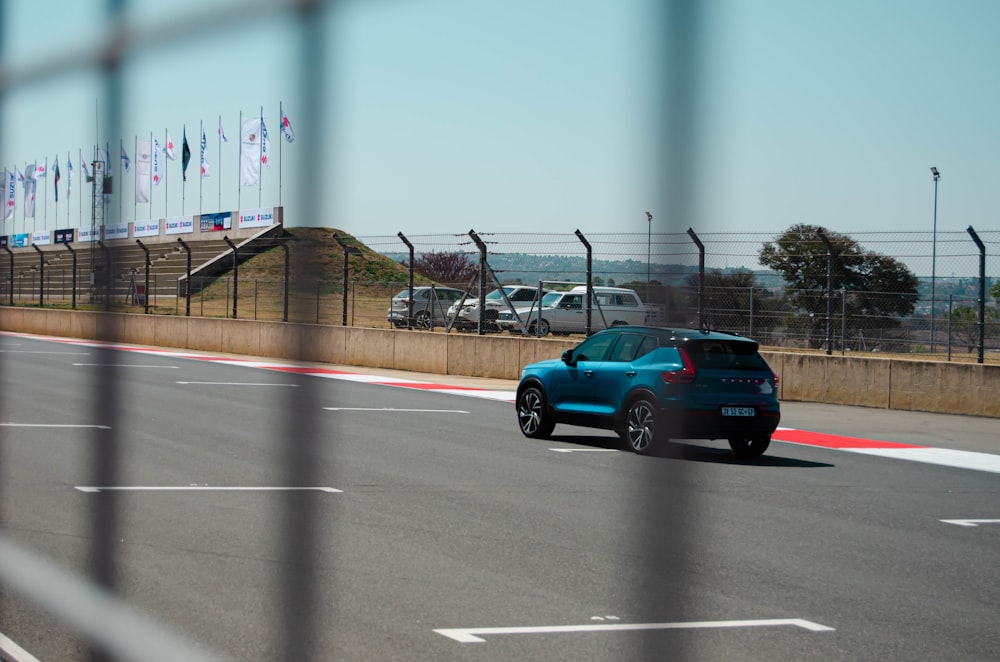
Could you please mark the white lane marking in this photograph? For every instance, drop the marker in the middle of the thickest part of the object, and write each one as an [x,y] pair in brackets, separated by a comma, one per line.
[125,365]
[14,652]
[970,522]
[946,457]
[584,450]
[201,488]
[236,384]
[52,425]
[431,411]
[29,351]
[470,635]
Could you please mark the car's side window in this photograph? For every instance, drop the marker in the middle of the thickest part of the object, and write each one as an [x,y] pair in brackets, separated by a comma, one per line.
[632,346]
[523,295]
[595,348]
[572,302]
[625,300]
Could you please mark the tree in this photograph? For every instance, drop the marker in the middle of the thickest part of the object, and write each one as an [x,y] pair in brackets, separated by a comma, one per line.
[878,289]
[453,268]
[995,290]
[965,325]
[734,302]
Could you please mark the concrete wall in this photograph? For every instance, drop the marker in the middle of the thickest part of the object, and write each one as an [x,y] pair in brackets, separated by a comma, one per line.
[954,388]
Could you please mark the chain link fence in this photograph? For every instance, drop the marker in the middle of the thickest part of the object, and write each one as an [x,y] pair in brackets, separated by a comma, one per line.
[930,305]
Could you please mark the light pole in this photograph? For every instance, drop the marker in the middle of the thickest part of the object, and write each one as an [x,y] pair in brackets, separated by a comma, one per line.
[937,176]
[649,243]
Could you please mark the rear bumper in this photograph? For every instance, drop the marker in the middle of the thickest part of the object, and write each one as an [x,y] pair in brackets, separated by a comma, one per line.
[711,424]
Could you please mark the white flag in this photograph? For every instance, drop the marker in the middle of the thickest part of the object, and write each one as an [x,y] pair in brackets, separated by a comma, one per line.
[143,166]
[250,151]
[204,156]
[11,183]
[169,148]
[156,162]
[29,191]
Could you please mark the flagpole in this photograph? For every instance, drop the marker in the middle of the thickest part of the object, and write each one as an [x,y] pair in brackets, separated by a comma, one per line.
[239,169]
[45,194]
[135,196]
[183,173]
[166,190]
[281,129]
[83,180]
[55,189]
[260,159]
[121,183]
[220,164]
[201,153]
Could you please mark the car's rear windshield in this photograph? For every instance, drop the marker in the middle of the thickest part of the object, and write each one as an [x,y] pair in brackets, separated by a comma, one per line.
[725,355]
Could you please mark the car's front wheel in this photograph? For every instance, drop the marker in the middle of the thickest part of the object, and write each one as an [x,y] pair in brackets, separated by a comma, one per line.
[749,447]
[533,416]
[422,320]
[540,328]
[640,427]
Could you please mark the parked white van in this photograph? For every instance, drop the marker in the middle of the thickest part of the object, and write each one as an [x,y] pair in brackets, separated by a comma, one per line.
[566,312]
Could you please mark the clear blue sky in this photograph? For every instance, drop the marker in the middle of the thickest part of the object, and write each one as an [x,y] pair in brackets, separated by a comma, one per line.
[530,115]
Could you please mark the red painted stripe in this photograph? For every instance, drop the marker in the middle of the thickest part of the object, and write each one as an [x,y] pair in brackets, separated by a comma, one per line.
[306,371]
[834,440]
[429,387]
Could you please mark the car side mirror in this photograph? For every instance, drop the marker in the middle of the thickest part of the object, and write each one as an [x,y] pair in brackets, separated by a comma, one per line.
[567,357]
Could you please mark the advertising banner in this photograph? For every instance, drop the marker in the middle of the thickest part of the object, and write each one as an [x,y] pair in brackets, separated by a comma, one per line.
[180,225]
[116,231]
[41,238]
[146,228]
[90,234]
[22,240]
[4,240]
[217,222]
[65,236]
[257,218]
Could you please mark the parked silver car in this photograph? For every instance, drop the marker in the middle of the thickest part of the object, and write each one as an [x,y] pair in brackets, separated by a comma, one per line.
[566,312]
[467,315]
[430,306]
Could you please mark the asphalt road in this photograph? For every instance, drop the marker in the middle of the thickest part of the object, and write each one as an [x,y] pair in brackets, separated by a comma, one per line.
[443,534]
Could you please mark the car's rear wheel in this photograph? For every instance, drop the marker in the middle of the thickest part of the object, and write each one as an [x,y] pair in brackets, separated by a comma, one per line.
[640,427]
[533,416]
[540,328]
[748,447]
[422,320]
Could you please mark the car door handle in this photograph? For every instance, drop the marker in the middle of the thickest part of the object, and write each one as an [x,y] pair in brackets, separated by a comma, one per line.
[631,373]
[588,373]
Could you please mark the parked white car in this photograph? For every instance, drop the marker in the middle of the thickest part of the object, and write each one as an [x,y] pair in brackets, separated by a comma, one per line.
[566,312]
[467,316]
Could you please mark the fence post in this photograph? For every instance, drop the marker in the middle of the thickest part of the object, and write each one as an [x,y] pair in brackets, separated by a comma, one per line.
[284,310]
[482,280]
[187,281]
[701,277]
[348,251]
[236,271]
[830,254]
[10,255]
[41,276]
[590,285]
[145,294]
[843,321]
[73,279]
[982,291]
[951,299]
[409,305]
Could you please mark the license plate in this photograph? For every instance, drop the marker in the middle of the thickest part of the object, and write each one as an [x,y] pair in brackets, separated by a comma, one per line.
[739,411]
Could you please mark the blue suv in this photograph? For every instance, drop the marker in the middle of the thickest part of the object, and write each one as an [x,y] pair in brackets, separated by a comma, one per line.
[651,384]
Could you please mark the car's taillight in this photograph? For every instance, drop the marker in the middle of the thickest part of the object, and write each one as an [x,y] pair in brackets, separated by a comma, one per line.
[776,378]
[685,375]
